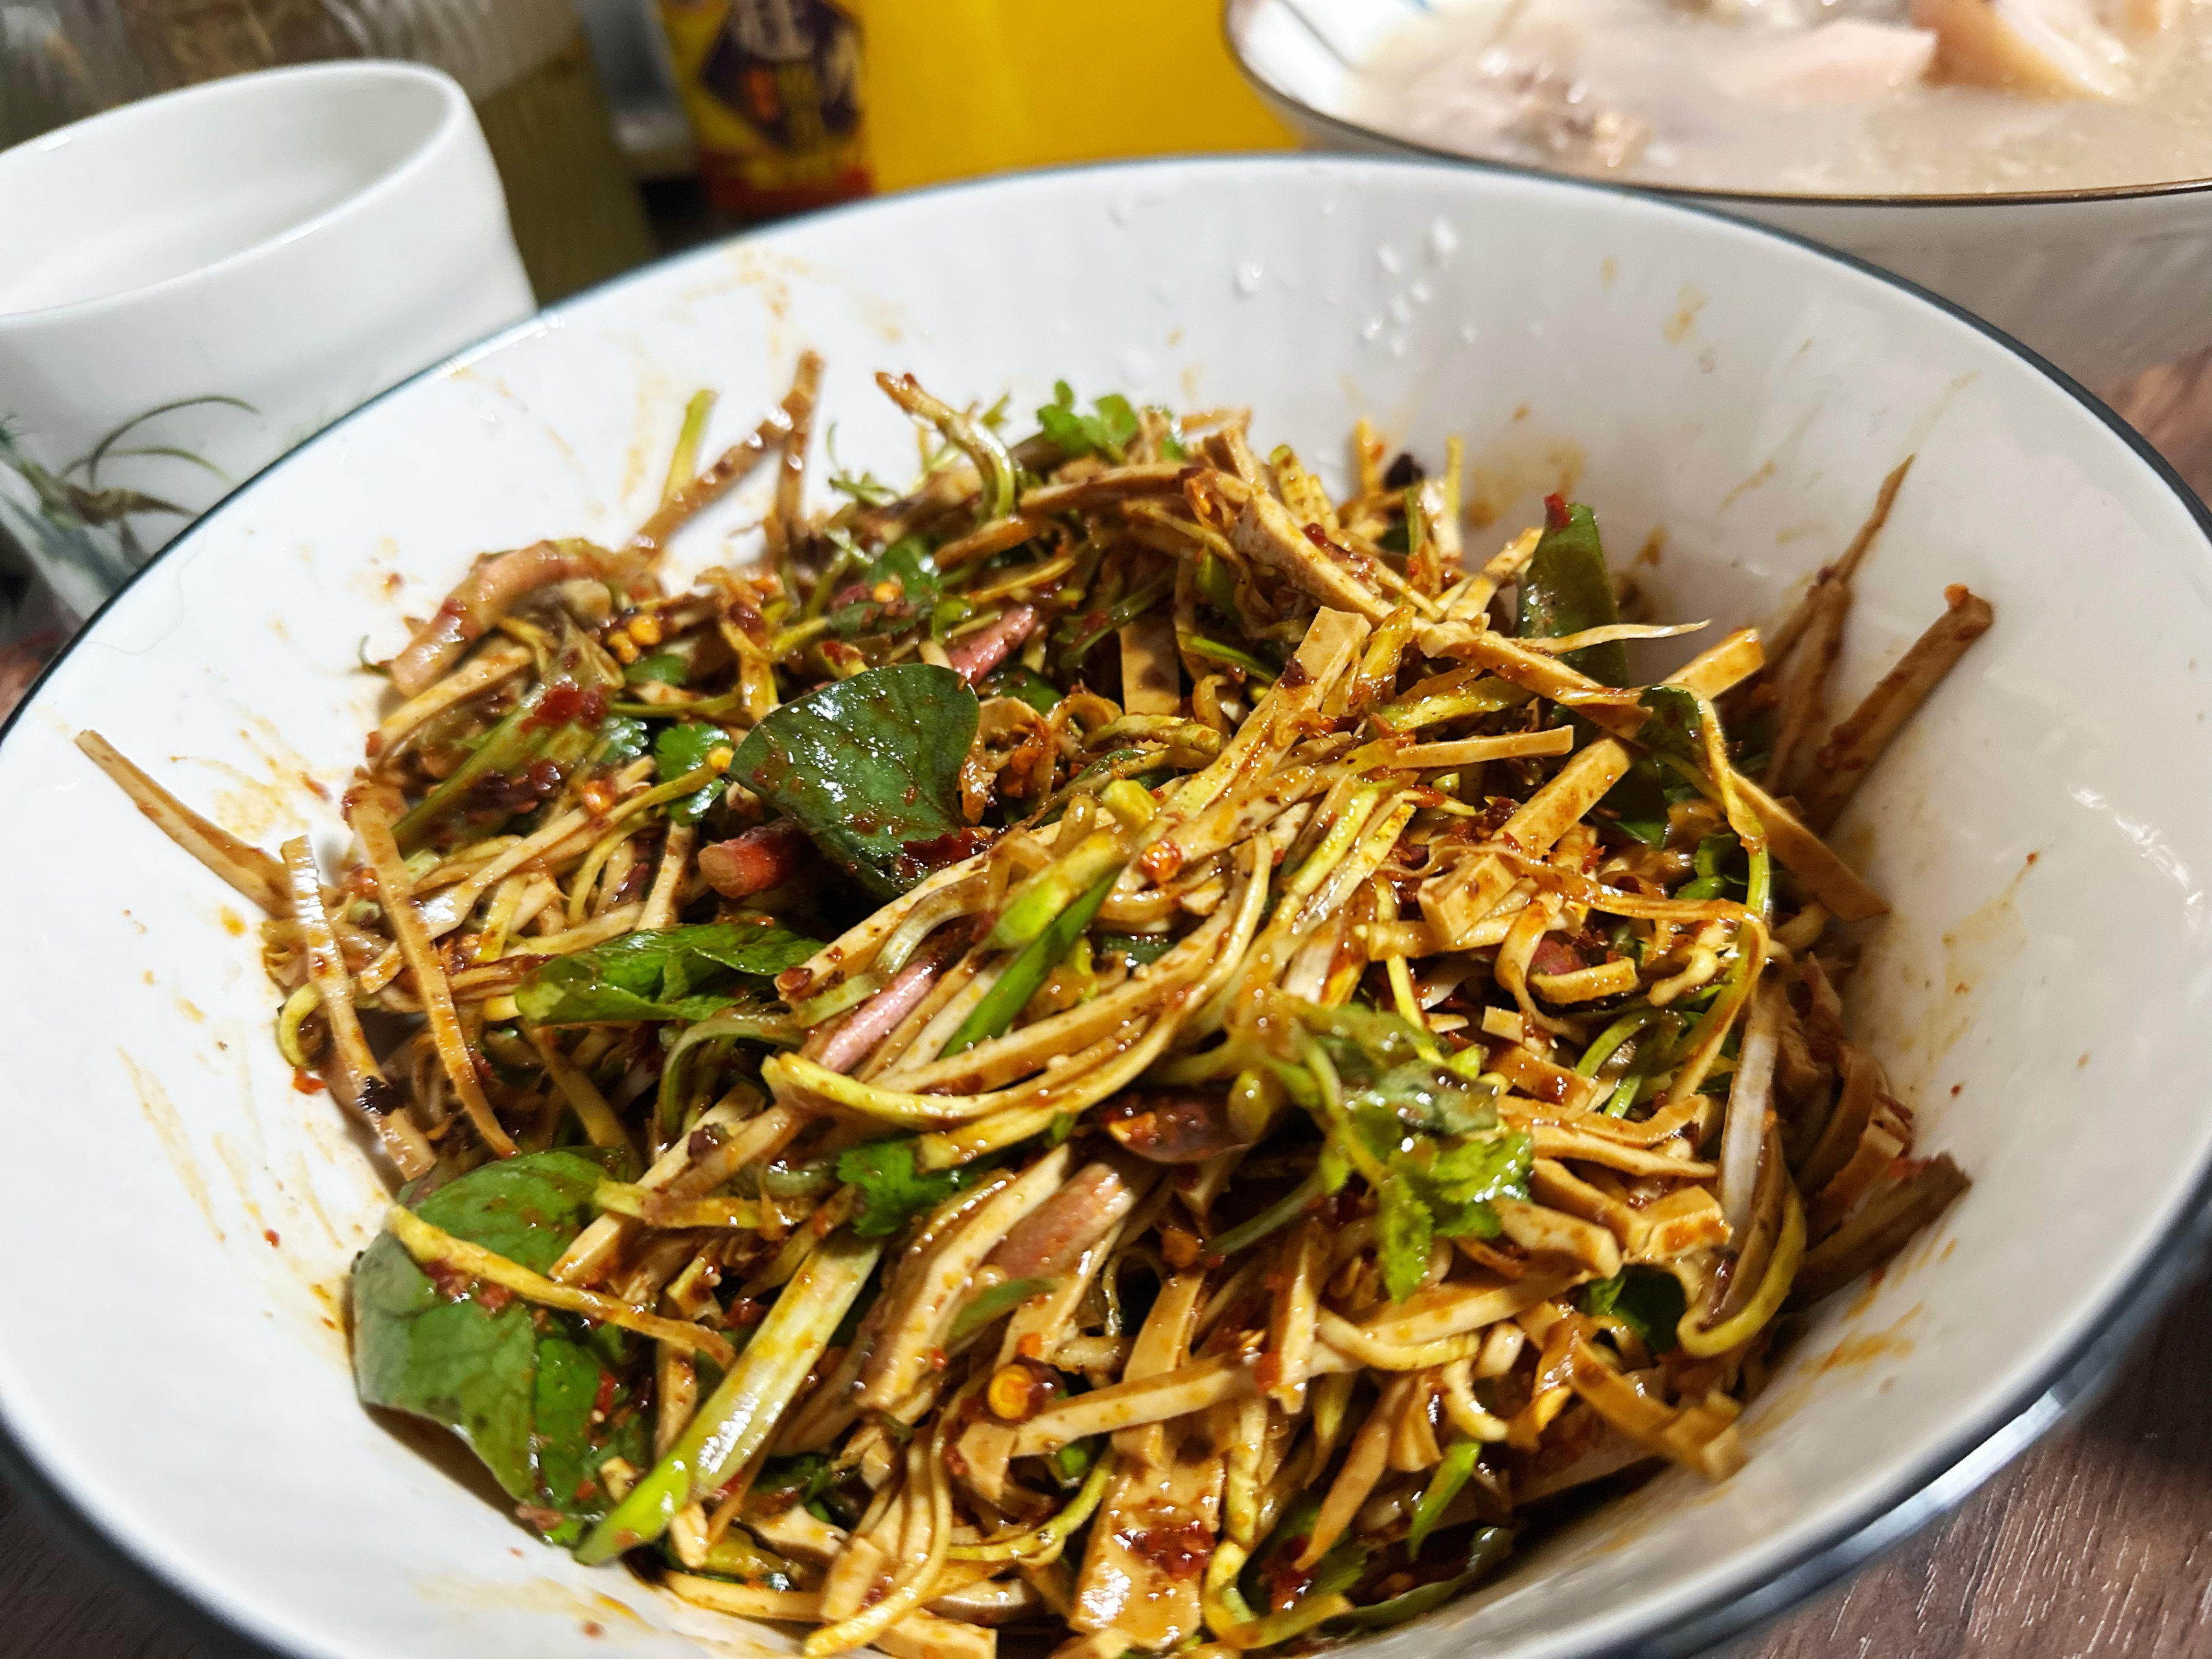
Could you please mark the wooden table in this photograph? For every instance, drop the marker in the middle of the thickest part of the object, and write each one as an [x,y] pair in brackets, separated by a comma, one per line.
[2097,1544]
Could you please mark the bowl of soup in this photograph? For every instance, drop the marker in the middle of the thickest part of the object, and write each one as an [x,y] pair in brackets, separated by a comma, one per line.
[2046,164]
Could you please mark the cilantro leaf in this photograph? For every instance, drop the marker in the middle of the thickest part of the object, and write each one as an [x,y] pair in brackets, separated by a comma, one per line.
[892,1190]
[1107,433]
[621,740]
[1404,1232]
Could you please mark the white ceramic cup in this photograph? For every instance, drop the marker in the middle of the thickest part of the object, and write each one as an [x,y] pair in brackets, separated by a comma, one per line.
[191,285]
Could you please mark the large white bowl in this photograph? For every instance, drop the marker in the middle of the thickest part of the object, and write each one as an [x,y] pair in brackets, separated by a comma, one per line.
[2105,283]
[179,1221]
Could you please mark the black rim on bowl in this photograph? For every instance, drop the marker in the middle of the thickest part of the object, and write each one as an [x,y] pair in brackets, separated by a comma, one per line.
[1362,137]
[1912,1498]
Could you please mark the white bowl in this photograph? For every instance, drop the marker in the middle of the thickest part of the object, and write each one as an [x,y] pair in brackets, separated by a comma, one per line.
[193,283]
[2105,283]
[181,1220]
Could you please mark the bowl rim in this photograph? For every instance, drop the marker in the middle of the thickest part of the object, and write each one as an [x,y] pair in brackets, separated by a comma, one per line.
[1233,12]
[453,117]
[1916,1495]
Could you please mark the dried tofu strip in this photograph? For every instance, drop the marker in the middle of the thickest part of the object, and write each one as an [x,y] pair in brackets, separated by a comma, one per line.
[252,872]
[1805,855]
[361,1084]
[1266,533]
[492,666]
[1859,740]
[1803,682]
[1723,667]
[1701,1435]
[926,1291]
[1472,599]
[1474,752]
[1455,901]
[1126,1587]
[1511,659]
[373,826]
[920,1635]
[1159,1349]
[1783,640]
[1364,1465]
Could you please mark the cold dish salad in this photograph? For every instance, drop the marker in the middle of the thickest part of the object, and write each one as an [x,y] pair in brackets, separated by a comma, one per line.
[1105,1043]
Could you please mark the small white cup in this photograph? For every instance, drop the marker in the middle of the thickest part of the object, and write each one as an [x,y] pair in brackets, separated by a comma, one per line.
[193,284]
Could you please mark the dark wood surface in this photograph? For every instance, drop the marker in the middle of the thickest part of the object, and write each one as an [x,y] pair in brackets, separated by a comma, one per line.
[2096,1544]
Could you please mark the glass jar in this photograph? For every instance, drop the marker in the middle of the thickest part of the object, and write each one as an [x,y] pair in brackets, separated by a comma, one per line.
[525,64]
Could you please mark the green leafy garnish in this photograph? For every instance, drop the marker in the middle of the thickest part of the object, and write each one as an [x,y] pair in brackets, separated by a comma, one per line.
[1648,1300]
[900,585]
[540,1396]
[1567,589]
[892,1190]
[1027,684]
[1434,1131]
[669,973]
[667,667]
[1403,1235]
[1107,433]
[1674,727]
[682,749]
[870,769]
[621,740]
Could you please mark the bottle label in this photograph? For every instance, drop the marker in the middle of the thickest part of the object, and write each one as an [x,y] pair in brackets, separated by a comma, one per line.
[773,88]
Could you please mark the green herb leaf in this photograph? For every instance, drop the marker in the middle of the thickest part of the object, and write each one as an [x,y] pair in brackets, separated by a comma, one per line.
[1567,588]
[1403,1235]
[902,585]
[664,668]
[668,973]
[870,769]
[540,1396]
[1107,433]
[1648,1300]
[892,1191]
[799,1479]
[682,749]
[1674,727]
[1026,684]
[621,740]
[1392,1079]
[1639,802]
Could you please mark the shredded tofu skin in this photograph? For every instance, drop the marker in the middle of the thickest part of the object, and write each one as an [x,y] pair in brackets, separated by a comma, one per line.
[1105,1044]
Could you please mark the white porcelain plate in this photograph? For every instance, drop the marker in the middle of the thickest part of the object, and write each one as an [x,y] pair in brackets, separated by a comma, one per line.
[178,1220]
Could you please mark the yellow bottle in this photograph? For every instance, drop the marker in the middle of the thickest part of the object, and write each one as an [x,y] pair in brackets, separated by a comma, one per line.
[955,87]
